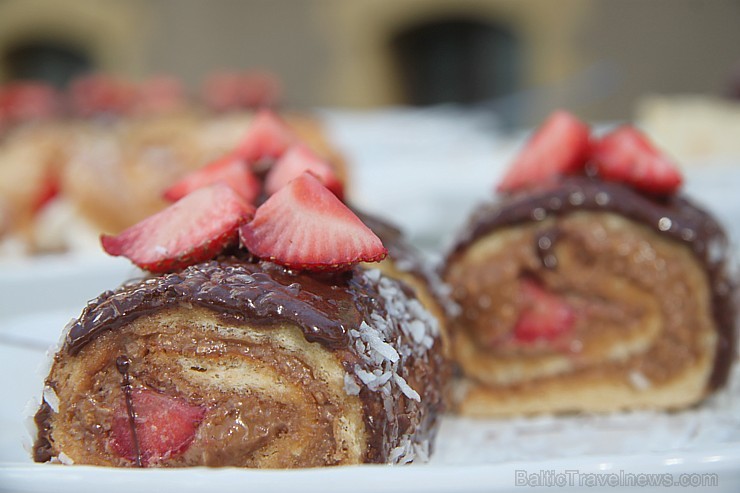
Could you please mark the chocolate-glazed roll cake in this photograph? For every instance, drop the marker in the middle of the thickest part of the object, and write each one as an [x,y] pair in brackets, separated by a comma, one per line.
[408,265]
[597,292]
[240,361]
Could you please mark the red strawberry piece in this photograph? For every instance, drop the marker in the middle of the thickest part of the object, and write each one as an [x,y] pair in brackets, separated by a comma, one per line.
[305,226]
[165,426]
[160,95]
[268,137]
[98,94]
[225,91]
[543,316]
[626,155]
[47,191]
[230,170]
[221,91]
[193,229]
[258,89]
[27,100]
[294,162]
[559,147]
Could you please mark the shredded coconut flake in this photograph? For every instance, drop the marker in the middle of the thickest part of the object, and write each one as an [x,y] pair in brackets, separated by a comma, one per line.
[639,381]
[51,398]
[406,388]
[65,459]
[378,345]
[387,344]
[350,385]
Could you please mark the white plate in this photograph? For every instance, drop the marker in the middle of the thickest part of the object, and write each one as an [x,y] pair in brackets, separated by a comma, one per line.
[471,455]
[425,174]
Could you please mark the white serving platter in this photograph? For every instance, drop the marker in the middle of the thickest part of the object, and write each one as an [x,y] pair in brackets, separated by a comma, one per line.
[425,171]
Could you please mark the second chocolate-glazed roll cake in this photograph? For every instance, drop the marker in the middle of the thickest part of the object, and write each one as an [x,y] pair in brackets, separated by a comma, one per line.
[276,357]
[590,283]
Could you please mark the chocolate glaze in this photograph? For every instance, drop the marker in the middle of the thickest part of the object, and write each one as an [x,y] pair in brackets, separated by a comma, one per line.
[408,259]
[325,307]
[42,450]
[674,217]
[239,291]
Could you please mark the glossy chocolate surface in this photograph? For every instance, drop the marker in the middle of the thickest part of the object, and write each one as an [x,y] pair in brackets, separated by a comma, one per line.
[329,308]
[673,217]
[240,291]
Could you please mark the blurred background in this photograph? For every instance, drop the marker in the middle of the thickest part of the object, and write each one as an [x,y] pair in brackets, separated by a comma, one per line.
[418,104]
[523,57]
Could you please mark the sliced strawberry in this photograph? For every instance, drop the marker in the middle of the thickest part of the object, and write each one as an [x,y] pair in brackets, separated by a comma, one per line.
[305,226]
[165,426]
[628,156]
[193,229]
[47,191]
[221,91]
[294,162]
[259,89]
[28,100]
[225,91]
[560,146]
[97,94]
[230,170]
[268,137]
[160,95]
[543,316]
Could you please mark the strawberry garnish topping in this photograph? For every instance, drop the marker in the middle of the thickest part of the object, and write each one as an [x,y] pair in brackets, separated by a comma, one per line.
[543,315]
[305,226]
[268,137]
[294,162]
[47,191]
[164,427]
[626,155]
[225,91]
[26,100]
[98,94]
[193,229]
[230,170]
[559,147]
[160,95]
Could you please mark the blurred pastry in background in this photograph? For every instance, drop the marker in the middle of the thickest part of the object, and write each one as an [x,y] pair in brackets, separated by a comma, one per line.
[106,164]
[590,283]
[692,128]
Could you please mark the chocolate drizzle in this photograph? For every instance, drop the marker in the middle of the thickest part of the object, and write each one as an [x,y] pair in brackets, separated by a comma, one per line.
[42,449]
[123,364]
[241,292]
[674,217]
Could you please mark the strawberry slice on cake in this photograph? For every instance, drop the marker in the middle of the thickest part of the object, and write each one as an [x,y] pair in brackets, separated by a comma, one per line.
[154,426]
[559,147]
[305,226]
[230,170]
[294,162]
[191,230]
[627,155]
[267,138]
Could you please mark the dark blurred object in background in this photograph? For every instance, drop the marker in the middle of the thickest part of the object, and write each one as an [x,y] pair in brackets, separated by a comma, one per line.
[47,60]
[529,56]
[457,61]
